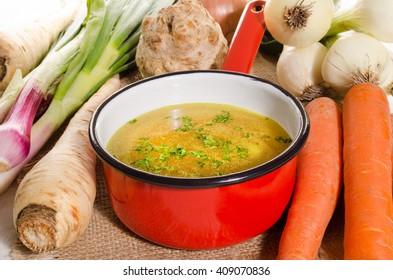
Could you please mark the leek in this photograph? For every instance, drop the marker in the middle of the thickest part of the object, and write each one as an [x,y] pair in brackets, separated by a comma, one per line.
[108,45]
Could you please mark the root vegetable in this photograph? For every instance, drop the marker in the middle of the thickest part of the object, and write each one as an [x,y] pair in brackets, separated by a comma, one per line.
[318,185]
[54,201]
[391,122]
[368,230]
[182,36]
[22,46]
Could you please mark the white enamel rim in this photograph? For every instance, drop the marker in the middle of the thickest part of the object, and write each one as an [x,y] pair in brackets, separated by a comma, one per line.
[210,86]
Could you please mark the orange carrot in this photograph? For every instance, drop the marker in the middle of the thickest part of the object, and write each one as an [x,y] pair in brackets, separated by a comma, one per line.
[318,184]
[391,123]
[368,230]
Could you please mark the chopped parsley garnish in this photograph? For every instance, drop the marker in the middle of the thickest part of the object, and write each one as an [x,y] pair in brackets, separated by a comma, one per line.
[188,124]
[242,152]
[178,151]
[283,140]
[208,141]
[224,118]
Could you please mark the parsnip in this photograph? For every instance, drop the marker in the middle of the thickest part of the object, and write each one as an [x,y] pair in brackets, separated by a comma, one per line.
[54,201]
[23,44]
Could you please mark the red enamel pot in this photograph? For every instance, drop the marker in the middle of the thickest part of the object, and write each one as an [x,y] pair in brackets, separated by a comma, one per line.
[212,212]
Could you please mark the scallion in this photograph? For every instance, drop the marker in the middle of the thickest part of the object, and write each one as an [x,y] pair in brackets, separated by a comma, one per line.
[111,34]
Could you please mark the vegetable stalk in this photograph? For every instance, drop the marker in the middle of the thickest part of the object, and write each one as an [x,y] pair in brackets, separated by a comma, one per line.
[372,17]
[15,130]
[11,93]
[107,48]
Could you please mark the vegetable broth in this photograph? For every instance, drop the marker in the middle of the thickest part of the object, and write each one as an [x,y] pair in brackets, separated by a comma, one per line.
[198,140]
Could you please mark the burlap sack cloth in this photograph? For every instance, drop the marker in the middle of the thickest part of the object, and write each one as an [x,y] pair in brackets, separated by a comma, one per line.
[108,239]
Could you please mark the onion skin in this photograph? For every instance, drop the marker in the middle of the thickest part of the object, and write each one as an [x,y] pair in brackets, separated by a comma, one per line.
[227,13]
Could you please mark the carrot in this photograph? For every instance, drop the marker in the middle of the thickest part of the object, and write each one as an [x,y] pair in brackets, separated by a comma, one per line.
[391,122]
[367,174]
[318,184]
[54,201]
[24,44]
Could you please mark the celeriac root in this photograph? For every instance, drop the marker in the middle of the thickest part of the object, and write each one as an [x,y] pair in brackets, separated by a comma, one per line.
[54,201]
[23,46]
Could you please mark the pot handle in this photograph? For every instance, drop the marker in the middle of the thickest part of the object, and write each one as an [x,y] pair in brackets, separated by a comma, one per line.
[246,39]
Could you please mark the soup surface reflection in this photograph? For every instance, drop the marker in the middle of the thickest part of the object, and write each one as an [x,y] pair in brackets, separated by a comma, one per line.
[198,140]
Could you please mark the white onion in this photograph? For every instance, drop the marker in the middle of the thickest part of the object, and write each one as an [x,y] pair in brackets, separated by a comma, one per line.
[355,58]
[298,23]
[299,70]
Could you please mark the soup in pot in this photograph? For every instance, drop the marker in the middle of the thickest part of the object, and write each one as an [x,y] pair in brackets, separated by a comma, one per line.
[198,140]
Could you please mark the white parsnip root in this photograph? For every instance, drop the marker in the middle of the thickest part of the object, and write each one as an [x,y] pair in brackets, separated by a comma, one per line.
[54,201]
[22,46]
